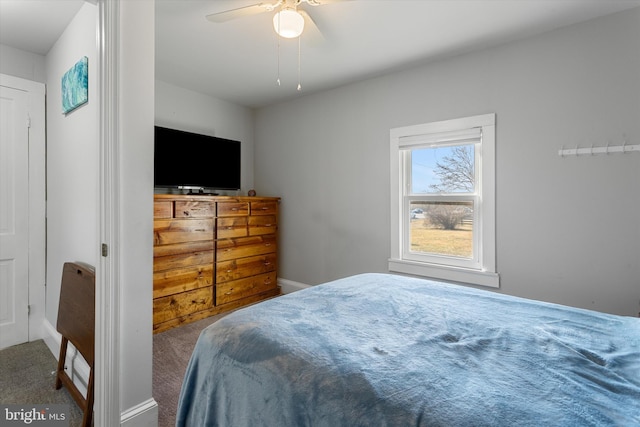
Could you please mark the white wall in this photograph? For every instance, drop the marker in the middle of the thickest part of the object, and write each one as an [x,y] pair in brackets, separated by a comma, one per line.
[19,63]
[73,166]
[72,158]
[567,228]
[183,109]
[136,106]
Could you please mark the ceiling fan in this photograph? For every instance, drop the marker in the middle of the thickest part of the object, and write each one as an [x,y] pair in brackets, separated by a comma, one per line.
[289,21]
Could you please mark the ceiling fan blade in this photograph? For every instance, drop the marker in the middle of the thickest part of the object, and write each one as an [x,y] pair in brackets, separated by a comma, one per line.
[240,12]
[323,2]
[311,31]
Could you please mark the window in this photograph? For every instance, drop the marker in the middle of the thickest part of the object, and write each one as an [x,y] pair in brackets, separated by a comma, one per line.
[443,200]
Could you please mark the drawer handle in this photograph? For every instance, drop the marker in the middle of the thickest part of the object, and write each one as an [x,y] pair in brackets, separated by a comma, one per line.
[229,293]
[229,271]
[267,225]
[267,282]
[234,209]
[185,213]
[265,208]
[267,263]
[267,244]
[229,228]
[200,229]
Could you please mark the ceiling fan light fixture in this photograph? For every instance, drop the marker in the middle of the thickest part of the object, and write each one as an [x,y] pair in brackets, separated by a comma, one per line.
[288,23]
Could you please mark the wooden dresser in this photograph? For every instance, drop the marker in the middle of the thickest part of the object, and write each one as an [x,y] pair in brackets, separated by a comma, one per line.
[211,254]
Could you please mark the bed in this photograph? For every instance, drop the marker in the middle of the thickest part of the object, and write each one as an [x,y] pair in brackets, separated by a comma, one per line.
[387,350]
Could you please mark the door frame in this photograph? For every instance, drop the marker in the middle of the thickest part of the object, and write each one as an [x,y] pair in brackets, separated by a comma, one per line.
[123,356]
[107,336]
[37,199]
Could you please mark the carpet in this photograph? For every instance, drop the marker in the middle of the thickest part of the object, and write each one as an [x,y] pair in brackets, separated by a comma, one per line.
[27,372]
[27,376]
[171,352]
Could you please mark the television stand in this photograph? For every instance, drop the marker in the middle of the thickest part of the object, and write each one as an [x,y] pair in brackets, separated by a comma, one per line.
[201,193]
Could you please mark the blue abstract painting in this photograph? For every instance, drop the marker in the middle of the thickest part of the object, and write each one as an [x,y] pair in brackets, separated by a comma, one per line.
[75,86]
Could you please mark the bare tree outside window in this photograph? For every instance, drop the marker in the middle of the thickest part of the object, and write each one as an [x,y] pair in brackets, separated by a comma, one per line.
[456,174]
[456,171]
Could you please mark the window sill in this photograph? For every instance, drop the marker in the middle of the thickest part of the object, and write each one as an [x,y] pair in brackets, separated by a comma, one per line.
[452,274]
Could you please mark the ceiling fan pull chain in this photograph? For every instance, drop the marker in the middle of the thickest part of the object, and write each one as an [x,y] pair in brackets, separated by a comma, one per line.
[299,86]
[278,38]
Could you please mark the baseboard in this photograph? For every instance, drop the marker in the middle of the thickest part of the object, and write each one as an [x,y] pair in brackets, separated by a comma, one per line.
[289,286]
[142,415]
[77,368]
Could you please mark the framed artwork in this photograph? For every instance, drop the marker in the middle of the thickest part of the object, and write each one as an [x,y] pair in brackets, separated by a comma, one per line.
[75,86]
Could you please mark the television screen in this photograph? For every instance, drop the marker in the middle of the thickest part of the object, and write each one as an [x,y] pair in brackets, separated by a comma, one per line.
[191,160]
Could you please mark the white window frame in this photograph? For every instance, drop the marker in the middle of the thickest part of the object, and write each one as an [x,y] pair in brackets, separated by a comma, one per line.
[481,268]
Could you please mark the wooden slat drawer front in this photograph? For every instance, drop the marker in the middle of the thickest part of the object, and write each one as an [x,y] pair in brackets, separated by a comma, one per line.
[245,267]
[173,306]
[259,225]
[183,248]
[182,260]
[242,288]
[233,209]
[231,227]
[264,208]
[228,249]
[194,209]
[169,231]
[181,280]
[162,209]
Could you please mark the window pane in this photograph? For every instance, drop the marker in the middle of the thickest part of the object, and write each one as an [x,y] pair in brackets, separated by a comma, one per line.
[441,228]
[443,170]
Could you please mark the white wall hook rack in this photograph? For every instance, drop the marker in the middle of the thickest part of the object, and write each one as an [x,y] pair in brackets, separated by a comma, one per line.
[590,151]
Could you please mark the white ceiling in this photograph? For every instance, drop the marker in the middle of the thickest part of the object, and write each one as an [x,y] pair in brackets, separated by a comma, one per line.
[238,60]
[35,25]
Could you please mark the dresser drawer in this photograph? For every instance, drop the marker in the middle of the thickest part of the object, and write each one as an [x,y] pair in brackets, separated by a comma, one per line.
[264,208]
[183,248]
[245,267]
[174,281]
[233,209]
[185,303]
[231,227]
[163,209]
[169,231]
[237,289]
[263,224]
[182,260]
[194,209]
[229,249]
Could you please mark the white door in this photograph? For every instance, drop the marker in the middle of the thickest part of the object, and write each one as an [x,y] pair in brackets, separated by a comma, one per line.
[14,217]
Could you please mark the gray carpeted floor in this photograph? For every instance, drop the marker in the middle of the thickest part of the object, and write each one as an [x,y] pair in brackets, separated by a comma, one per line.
[27,376]
[27,372]
[171,352]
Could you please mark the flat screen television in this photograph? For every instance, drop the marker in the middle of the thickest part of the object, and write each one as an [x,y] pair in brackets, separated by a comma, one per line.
[193,161]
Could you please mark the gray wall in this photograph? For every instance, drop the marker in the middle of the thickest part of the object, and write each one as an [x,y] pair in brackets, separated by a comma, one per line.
[567,228]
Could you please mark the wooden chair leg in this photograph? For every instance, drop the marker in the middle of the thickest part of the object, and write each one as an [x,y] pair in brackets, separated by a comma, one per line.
[61,360]
[86,404]
[88,410]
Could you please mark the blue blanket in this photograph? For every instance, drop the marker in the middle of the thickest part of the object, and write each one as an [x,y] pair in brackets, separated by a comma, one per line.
[385,350]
